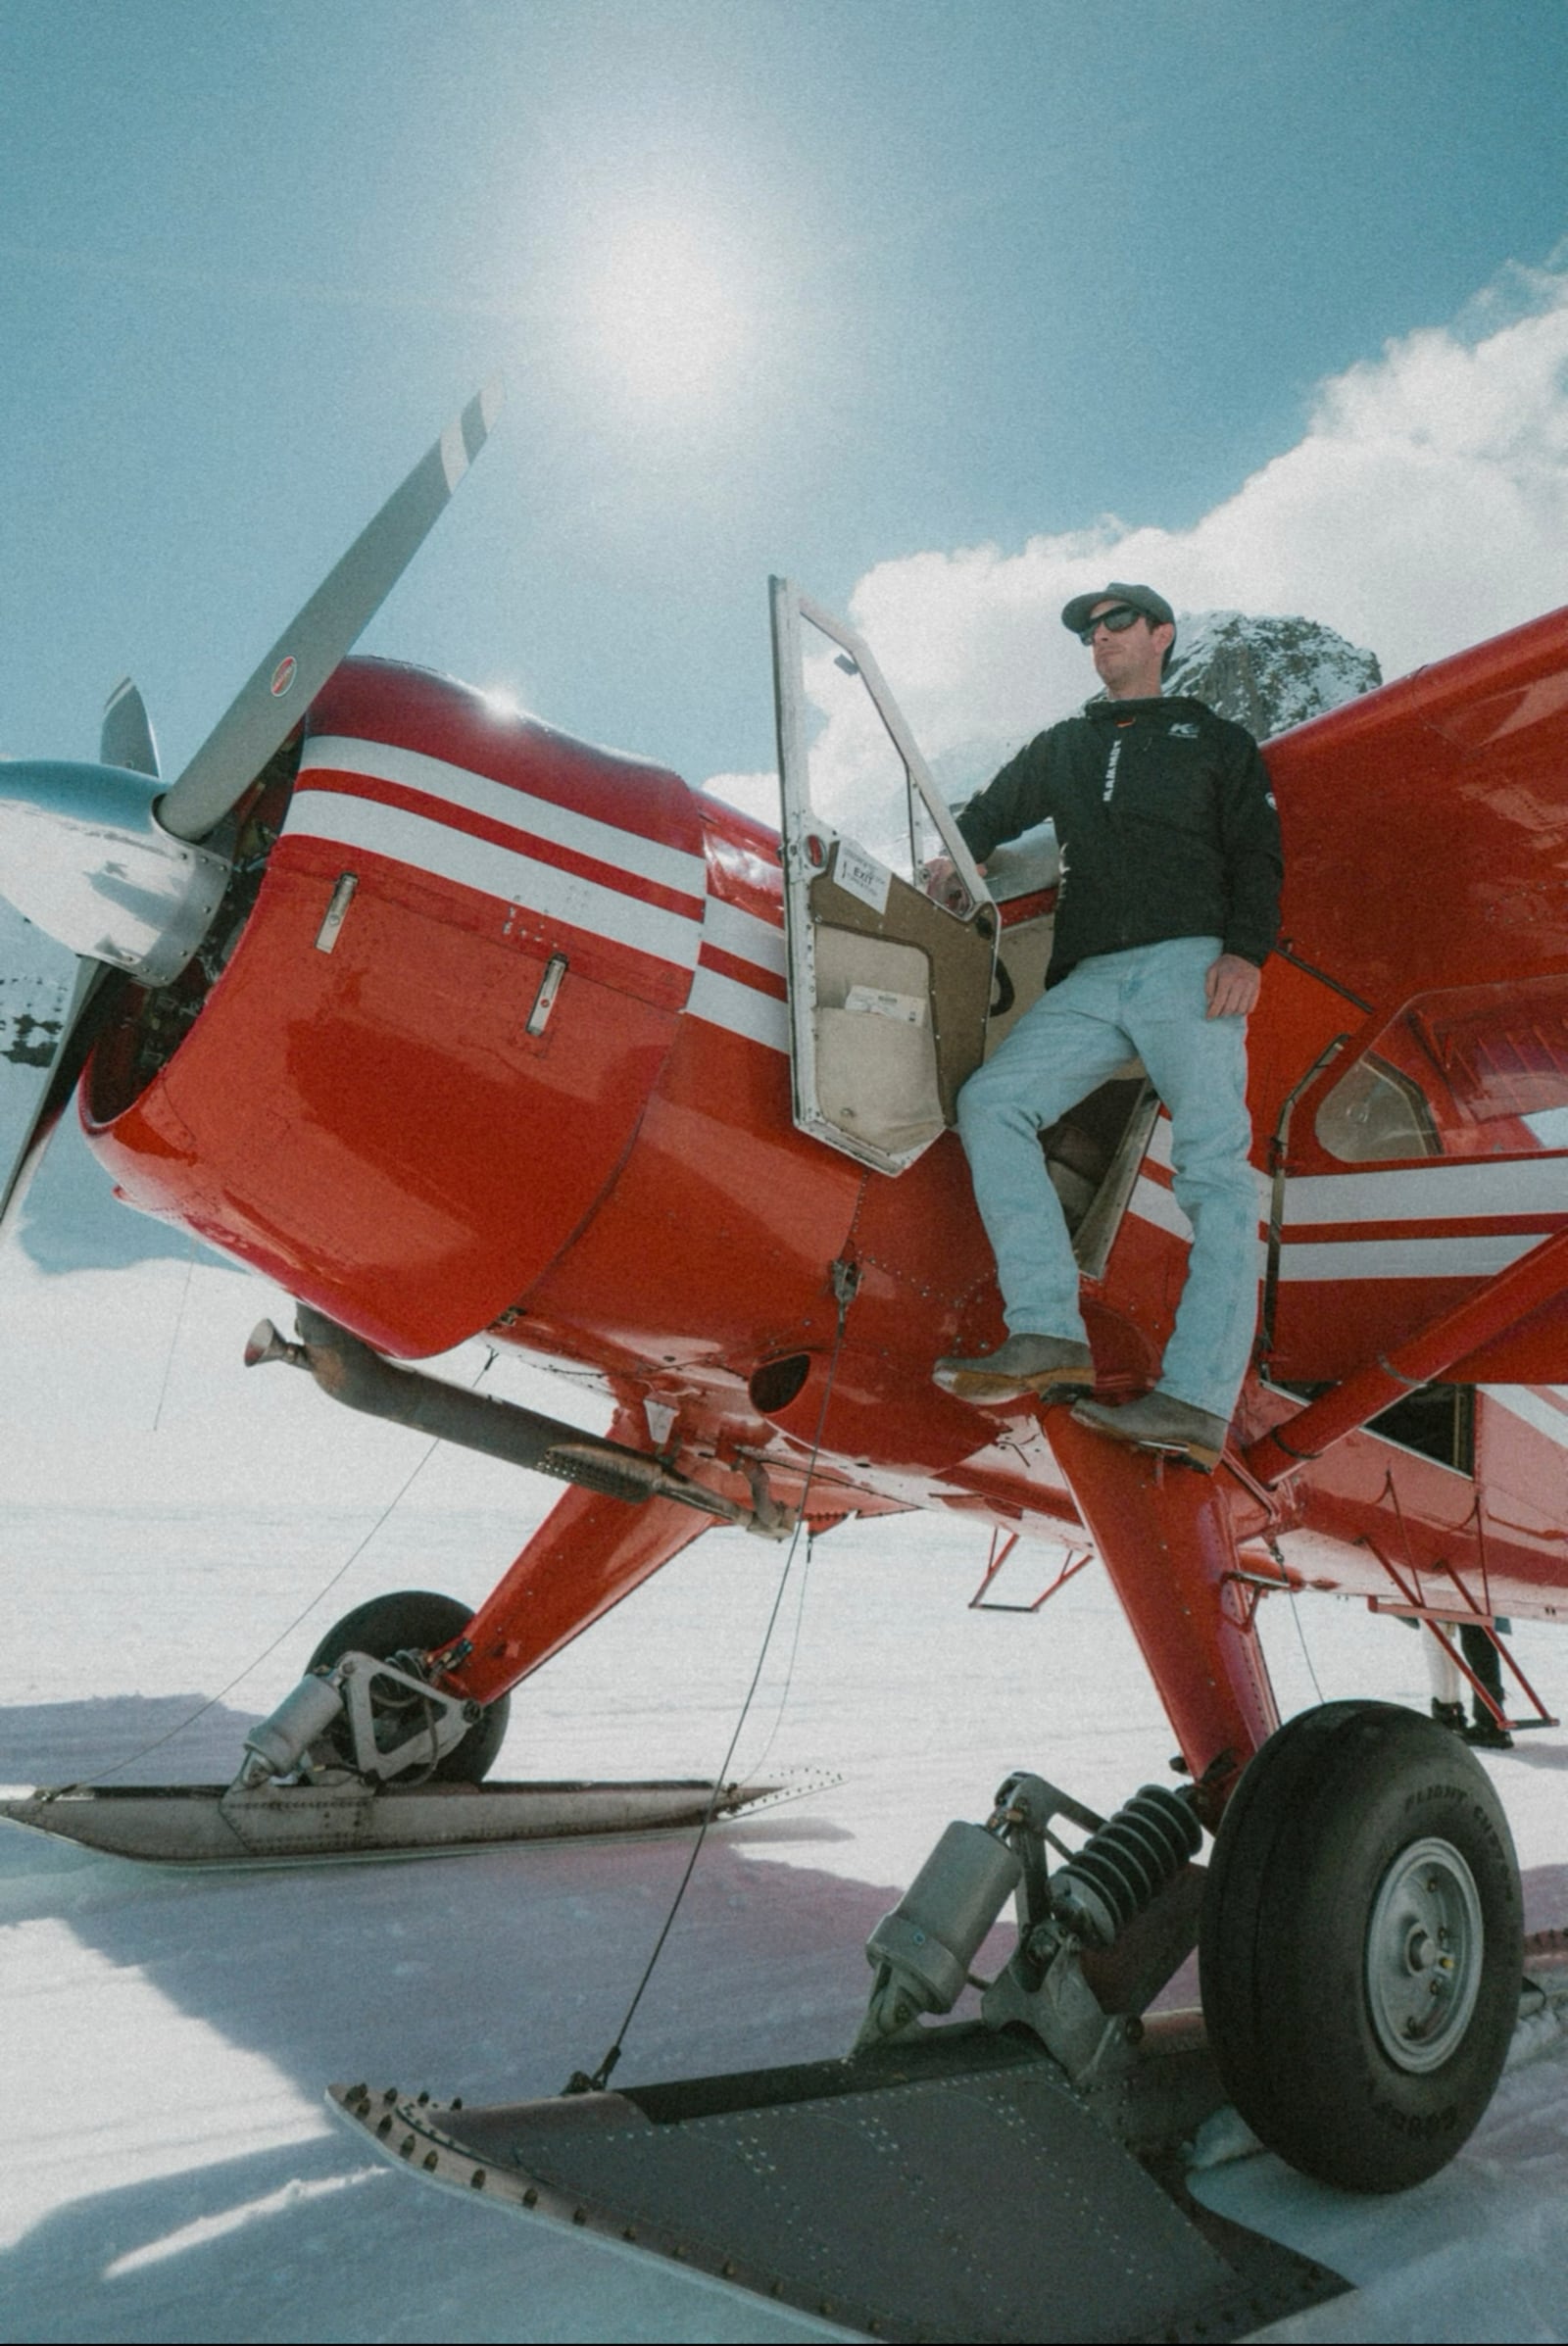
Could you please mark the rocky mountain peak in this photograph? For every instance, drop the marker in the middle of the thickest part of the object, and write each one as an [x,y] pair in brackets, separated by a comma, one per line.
[1267,674]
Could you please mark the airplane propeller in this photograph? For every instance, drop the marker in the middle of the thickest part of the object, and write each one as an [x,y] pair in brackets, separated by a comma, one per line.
[127,875]
[126,736]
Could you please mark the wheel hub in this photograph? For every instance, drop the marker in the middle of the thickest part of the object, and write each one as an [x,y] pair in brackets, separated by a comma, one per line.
[1424,1948]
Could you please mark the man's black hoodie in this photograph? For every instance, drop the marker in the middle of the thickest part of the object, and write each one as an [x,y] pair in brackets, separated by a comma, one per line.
[1166,822]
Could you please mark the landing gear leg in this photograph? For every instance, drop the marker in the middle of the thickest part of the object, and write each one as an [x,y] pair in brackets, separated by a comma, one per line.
[414,1622]
[1360,1946]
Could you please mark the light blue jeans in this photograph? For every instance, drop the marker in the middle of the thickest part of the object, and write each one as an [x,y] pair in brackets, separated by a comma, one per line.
[1148,1002]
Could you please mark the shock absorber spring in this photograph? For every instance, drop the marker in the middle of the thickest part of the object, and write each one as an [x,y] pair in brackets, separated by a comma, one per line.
[1121,1870]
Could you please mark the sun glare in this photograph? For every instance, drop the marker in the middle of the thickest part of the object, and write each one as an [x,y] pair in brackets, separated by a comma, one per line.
[668,314]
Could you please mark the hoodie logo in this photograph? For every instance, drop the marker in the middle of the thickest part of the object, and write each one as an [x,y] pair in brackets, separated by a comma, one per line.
[1112,764]
[1184,732]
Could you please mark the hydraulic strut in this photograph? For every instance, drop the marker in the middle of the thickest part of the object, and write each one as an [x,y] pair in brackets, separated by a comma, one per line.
[369,1697]
[922,1952]
[1121,1870]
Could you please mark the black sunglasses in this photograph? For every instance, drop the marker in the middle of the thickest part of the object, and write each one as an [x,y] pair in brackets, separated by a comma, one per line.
[1117,620]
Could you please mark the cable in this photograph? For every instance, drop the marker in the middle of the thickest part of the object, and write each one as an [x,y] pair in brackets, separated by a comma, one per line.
[846,1278]
[287,1631]
[179,1322]
[755,1766]
[1306,1654]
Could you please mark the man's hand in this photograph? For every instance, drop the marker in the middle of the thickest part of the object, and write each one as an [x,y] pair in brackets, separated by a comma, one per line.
[1232,985]
[943,884]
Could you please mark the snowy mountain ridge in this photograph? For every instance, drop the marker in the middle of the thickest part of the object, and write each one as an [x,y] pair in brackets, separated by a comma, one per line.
[1267,673]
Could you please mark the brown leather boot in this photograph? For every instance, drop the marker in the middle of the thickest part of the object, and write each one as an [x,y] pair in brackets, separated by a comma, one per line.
[1157,1421]
[1052,1366]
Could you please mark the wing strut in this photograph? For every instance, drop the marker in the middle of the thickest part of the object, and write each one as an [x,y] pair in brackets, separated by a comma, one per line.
[1524,1287]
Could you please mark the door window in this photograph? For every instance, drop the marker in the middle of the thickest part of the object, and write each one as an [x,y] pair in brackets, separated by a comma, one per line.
[888,990]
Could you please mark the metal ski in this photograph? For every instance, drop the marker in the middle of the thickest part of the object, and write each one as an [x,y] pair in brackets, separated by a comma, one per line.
[950,2183]
[950,2188]
[284,1825]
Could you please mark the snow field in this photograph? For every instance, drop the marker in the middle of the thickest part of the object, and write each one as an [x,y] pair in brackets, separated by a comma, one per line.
[168,2035]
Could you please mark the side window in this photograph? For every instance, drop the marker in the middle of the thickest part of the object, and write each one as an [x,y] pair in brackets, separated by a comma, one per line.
[1373,1112]
[1471,1071]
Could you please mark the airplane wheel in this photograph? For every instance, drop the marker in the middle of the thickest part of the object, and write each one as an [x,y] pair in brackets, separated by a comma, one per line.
[1361,1944]
[414,1620]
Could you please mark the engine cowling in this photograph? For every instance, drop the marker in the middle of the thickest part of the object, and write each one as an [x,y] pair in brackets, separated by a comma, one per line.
[407,1069]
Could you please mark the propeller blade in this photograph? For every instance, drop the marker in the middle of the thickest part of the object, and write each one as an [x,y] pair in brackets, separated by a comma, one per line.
[260,720]
[51,1007]
[126,735]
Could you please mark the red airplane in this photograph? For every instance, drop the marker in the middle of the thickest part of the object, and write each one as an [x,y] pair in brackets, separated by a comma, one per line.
[454,1026]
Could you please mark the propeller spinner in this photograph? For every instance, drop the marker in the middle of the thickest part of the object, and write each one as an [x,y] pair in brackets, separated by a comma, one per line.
[128,876]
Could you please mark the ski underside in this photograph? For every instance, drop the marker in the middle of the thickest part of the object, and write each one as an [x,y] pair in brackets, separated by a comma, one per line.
[951,2185]
[225,1824]
[951,2188]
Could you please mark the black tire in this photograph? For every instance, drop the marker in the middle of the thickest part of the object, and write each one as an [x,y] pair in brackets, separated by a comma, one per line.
[1357,1834]
[417,1620]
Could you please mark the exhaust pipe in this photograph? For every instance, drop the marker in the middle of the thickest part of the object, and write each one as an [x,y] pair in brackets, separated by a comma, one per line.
[360,1378]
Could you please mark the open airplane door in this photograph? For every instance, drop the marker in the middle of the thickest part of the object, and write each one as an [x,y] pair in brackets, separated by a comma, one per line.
[889,991]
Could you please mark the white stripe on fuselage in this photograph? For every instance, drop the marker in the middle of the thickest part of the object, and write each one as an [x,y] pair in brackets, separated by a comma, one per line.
[563,827]
[729,1002]
[1405,1258]
[1152,1201]
[735,931]
[515,877]
[1430,1193]
[429,846]
[1434,1194]
[1533,1407]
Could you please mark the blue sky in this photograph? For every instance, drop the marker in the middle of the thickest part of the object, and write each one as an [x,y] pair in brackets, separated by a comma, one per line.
[901,298]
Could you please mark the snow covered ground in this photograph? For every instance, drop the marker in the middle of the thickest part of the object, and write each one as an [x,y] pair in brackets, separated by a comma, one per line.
[177,1534]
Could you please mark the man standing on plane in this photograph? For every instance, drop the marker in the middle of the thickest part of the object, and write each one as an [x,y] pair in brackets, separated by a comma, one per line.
[1167,909]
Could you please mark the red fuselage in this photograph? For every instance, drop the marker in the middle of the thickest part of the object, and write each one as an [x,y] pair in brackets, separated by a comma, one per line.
[389,1113]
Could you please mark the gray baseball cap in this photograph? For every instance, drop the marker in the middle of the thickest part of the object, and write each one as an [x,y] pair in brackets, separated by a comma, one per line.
[1141,597]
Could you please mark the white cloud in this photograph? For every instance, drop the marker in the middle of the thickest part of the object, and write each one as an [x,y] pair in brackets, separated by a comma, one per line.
[1424,508]
[756,795]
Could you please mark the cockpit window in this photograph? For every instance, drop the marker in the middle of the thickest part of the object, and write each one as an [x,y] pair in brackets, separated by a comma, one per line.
[1473,1071]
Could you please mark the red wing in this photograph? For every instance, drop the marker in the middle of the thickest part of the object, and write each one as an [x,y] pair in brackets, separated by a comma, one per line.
[1426,825]
[1425,837]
